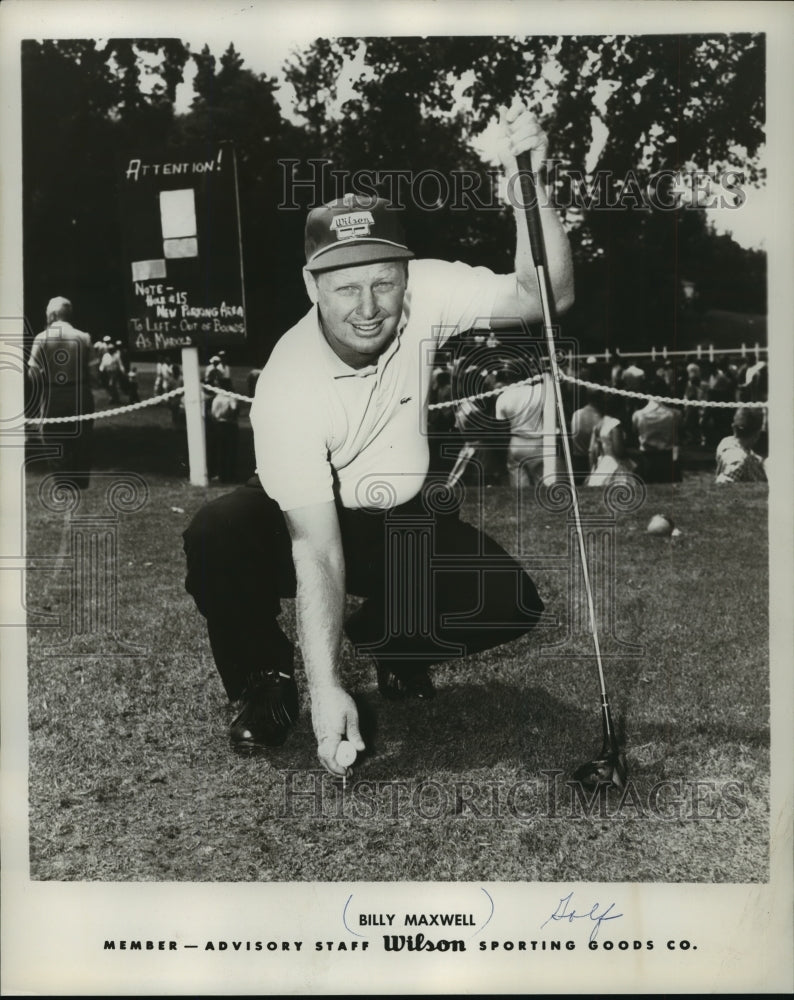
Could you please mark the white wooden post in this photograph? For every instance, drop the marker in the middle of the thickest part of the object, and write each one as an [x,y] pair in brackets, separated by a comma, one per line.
[549,429]
[711,352]
[700,352]
[194,417]
[757,351]
[653,354]
[664,353]
[744,350]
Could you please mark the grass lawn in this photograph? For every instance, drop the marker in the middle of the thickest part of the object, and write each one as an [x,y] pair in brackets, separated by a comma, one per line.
[131,777]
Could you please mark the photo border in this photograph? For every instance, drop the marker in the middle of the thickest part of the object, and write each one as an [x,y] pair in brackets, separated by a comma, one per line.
[52,932]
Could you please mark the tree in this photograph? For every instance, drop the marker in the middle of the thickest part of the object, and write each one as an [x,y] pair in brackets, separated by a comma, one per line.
[620,110]
[82,105]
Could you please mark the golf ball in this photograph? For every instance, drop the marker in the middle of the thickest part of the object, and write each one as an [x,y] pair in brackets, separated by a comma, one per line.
[345,754]
[659,524]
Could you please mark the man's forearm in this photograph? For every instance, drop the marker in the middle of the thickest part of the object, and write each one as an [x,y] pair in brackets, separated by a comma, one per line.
[558,250]
[320,599]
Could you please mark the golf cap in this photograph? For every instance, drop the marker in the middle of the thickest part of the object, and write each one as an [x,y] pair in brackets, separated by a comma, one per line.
[356,229]
[748,420]
[214,358]
[106,340]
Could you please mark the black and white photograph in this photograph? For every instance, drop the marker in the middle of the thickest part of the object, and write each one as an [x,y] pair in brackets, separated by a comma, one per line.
[396,498]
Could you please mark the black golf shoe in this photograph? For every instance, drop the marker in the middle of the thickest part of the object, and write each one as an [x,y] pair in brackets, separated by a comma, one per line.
[269,710]
[398,682]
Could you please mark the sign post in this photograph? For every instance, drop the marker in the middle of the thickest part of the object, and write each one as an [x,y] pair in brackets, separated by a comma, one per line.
[183,260]
[194,417]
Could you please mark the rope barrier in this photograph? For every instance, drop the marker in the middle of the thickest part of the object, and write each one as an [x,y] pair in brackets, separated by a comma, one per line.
[533,380]
[629,393]
[484,395]
[101,414]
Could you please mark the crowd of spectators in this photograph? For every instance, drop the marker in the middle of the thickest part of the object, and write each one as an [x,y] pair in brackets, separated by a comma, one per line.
[501,437]
[611,435]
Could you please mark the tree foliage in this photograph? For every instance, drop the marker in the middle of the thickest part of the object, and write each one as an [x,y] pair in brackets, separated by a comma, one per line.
[611,105]
[82,105]
[618,107]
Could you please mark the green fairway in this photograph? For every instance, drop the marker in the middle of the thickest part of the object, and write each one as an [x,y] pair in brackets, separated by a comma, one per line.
[131,776]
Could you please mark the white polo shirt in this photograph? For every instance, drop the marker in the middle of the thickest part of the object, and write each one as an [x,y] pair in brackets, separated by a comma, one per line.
[322,427]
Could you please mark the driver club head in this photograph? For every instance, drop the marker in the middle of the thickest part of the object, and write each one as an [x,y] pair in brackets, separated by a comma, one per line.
[610,770]
[610,767]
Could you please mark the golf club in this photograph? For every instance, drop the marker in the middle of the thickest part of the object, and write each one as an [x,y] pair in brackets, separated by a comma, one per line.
[610,767]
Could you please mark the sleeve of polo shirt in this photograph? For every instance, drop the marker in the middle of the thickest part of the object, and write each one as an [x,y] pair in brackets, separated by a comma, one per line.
[290,443]
[465,294]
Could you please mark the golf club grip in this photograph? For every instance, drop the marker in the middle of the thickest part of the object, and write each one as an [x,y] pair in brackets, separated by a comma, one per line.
[529,202]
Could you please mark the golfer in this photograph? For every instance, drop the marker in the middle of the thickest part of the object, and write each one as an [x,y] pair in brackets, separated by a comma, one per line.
[342,502]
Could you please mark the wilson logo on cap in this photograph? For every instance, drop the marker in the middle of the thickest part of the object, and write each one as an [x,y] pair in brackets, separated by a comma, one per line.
[348,227]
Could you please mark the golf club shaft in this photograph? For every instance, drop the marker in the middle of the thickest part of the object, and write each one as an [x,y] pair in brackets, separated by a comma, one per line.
[537,246]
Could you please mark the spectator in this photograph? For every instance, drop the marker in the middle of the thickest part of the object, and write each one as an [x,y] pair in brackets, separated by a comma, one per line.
[754,388]
[471,422]
[755,385]
[692,418]
[124,355]
[177,403]
[583,422]
[657,427]
[608,448]
[716,423]
[164,380]
[222,434]
[633,378]
[250,381]
[214,372]
[736,460]
[667,374]
[132,386]
[113,370]
[521,406]
[59,369]
[101,347]
[633,381]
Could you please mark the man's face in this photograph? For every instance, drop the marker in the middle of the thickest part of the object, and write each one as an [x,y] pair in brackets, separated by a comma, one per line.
[360,308]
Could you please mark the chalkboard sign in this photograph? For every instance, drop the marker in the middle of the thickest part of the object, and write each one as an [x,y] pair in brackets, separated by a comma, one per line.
[182,252]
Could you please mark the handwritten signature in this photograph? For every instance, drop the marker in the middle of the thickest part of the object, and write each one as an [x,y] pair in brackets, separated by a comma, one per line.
[565,911]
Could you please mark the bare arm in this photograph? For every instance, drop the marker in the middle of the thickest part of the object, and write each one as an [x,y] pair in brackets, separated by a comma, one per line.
[320,571]
[522,134]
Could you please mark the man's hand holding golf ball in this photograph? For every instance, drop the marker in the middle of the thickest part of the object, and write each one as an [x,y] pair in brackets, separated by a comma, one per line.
[335,722]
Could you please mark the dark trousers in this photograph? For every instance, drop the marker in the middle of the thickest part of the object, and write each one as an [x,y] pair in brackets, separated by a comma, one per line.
[581,468]
[659,467]
[222,437]
[74,440]
[436,588]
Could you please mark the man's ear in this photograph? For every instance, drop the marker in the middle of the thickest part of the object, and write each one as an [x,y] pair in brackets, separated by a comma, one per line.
[311,286]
